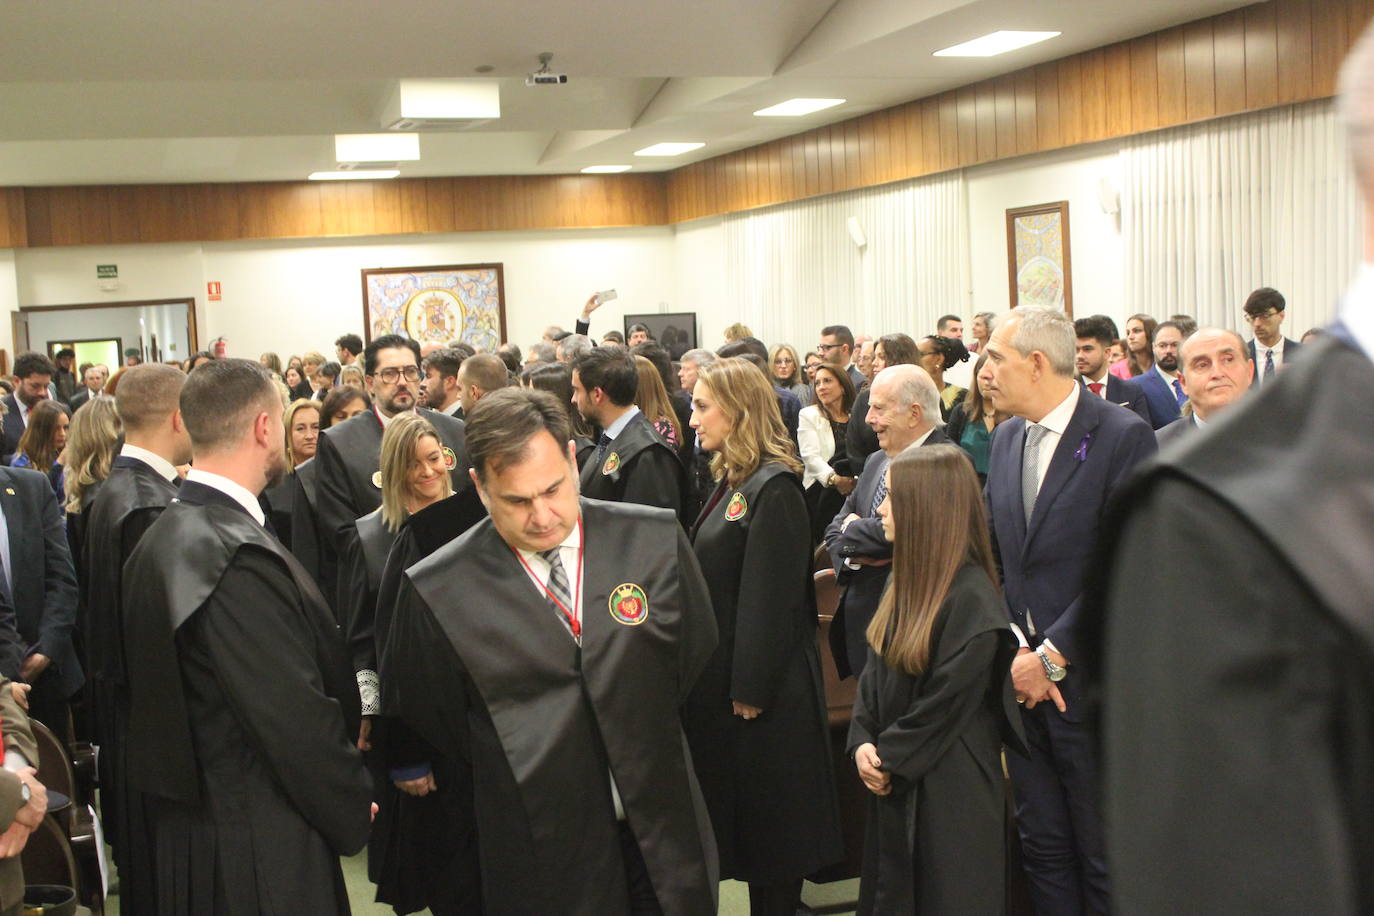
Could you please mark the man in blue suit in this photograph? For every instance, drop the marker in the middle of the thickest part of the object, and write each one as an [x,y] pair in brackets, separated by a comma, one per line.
[1051,470]
[1162,385]
[1095,335]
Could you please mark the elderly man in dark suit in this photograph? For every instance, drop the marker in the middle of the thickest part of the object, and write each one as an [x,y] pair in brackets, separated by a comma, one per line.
[1051,470]
[1237,739]
[1215,371]
[40,583]
[904,410]
[1095,335]
[92,383]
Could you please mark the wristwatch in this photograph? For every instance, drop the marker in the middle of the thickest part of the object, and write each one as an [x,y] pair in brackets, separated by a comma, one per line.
[1052,671]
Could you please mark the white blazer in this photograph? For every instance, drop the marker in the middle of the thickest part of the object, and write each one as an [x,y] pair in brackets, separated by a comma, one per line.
[816,443]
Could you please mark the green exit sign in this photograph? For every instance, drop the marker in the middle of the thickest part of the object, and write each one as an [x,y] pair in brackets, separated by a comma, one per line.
[107,271]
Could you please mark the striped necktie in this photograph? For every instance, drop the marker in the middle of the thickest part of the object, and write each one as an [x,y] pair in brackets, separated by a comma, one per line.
[558,587]
[1030,468]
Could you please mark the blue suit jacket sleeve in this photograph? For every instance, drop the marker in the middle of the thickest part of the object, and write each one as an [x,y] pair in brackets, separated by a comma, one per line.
[1135,444]
[59,580]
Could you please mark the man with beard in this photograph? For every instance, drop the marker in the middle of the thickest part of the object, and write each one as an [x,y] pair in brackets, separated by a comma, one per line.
[1094,338]
[243,706]
[33,372]
[439,390]
[348,455]
[1162,386]
[142,481]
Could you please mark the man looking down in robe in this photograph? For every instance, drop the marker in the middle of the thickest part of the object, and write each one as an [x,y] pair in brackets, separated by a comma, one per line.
[547,650]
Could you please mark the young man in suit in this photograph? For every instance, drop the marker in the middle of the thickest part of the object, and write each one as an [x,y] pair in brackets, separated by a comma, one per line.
[1161,384]
[837,348]
[1051,470]
[1216,371]
[1270,351]
[1094,337]
[33,372]
[1236,729]
[904,410]
[631,463]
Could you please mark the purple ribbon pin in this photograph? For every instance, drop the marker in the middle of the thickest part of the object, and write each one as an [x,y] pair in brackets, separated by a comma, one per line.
[1082,453]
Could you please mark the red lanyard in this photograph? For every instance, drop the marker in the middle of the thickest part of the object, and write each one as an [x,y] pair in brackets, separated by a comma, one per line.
[574,617]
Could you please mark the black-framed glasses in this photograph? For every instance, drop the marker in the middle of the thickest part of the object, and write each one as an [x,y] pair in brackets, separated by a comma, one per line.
[826,348]
[393,374]
[1265,316]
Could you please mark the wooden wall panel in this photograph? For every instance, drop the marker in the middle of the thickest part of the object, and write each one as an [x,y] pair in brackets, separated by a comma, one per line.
[1271,53]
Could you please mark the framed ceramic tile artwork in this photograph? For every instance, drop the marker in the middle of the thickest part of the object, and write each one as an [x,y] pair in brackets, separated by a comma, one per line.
[436,304]
[1038,257]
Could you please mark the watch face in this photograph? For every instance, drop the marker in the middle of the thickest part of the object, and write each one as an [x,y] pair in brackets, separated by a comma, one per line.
[1057,674]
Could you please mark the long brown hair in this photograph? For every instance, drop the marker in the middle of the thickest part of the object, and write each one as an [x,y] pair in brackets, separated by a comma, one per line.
[938,526]
[975,406]
[744,393]
[652,398]
[847,393]
[37,442]
[1132,362]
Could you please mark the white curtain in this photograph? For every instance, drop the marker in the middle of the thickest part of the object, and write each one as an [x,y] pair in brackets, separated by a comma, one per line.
[1213,211]
[794,268]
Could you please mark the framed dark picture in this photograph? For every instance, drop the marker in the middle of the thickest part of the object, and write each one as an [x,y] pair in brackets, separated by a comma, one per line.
[676,332]
[1038,263]
[464,302]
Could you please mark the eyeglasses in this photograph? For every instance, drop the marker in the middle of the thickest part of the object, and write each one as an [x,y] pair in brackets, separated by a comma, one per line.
[826,348]
[1262,316]
[784,359]
[391,375]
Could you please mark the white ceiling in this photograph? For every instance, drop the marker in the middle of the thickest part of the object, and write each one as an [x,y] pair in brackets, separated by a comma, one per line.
[178,91]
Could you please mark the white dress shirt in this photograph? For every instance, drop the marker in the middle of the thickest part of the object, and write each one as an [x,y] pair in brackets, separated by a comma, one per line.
[238,493]
[152,459]
[619,423]
[1261,352]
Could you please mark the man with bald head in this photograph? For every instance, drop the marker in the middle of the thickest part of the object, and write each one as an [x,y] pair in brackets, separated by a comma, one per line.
[1237,737]
[1215,369]
[1051,469]
[904,410]
[143,480]
[243,706]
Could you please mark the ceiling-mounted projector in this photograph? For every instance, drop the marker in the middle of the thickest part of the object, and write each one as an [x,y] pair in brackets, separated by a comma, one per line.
[544,76]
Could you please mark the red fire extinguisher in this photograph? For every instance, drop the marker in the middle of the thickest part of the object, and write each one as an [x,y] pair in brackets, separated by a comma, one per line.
[221,348]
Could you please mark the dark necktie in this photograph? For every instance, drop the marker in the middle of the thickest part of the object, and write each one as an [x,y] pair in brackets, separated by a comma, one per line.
[1096,388]
[1268,364]
[879,494]
[1178,393]
[558,589]
[1030,467]
[602,443]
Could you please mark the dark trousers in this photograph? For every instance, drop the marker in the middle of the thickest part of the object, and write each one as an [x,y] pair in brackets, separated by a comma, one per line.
[1058,817]
[643,900]
[49,706]
[782,898]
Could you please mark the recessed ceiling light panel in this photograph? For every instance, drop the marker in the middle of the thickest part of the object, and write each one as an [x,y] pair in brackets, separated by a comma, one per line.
[356,175]
[391,147]
[668,149]
[995,43]
[606,169]
[795,108]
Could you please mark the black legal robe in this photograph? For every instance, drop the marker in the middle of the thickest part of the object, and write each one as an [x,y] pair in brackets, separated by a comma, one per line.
[1236,727]
[636,467]
[769,782]
[937,843]
[307,536]
[417,852]
[480,664]
[129,501]
[243,717]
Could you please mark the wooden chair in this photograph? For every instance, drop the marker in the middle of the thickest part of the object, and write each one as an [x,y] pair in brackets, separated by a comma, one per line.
[75,820]
[839,702]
